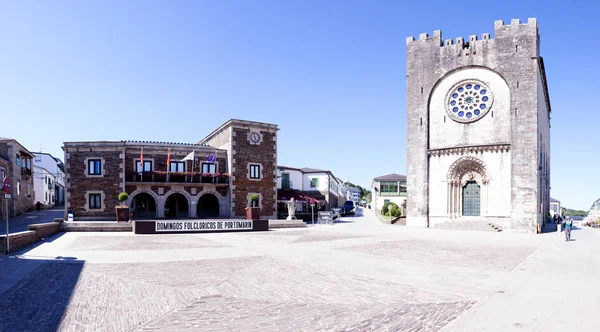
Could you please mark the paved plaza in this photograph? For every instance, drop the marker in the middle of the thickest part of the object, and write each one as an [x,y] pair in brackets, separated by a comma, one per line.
[358,275]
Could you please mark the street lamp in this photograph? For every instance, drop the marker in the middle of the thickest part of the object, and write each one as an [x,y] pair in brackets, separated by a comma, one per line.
[312,207]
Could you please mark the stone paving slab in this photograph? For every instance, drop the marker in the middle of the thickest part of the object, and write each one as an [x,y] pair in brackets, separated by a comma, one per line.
[450,253]
[144,242]
[227,314]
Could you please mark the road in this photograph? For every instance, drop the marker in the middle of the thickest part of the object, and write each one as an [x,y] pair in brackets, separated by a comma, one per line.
[21,222]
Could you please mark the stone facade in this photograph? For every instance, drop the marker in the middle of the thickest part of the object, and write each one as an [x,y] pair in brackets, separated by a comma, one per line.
[478,128]
[16,163]
[250,144]
[159,190]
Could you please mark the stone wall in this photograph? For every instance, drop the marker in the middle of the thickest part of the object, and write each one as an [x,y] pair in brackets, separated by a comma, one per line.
[35,233]
[80,184]
[246,153]
[512,55]
[21,200]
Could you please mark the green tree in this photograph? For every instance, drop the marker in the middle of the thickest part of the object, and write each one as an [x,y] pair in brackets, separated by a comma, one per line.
[573,213]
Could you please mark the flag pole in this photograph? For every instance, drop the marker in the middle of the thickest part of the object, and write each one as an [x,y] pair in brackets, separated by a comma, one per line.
[168,164]
[193,160]
[142,165]
[215,166]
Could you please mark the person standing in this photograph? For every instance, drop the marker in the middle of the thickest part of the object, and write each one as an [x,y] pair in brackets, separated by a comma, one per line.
[568,226]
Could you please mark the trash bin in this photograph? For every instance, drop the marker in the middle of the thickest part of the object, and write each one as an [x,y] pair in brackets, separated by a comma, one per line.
[70,215]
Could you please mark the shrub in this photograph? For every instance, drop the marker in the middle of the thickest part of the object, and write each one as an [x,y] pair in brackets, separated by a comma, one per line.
[254,200]
[122,198]
[395,212]
[387,207]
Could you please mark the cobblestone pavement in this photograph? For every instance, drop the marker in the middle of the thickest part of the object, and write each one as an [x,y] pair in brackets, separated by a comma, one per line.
[141,243]
[358,276]
[450,253]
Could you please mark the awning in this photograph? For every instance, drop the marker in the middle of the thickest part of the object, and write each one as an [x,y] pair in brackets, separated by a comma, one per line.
[286,195]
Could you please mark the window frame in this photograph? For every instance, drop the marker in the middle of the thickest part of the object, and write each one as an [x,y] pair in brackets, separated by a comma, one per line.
[98,170]
[146,162]
[214,167]
[256,175]
[385,188]
[177,164]
[99,201]
[287,184]
[314,182]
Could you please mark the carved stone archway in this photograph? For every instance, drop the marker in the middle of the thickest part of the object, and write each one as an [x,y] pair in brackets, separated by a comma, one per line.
[463,170]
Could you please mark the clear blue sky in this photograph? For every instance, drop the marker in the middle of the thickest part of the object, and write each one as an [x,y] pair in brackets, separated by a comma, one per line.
[331,74]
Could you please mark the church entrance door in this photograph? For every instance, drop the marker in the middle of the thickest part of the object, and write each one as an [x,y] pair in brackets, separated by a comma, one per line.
[471,194]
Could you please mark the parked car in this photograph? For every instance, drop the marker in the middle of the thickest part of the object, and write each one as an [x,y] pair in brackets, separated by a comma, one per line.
[349,207]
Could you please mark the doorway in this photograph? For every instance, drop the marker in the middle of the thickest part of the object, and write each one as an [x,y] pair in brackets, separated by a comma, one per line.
[143,206]
[471,194]
[177,206]
[208,206]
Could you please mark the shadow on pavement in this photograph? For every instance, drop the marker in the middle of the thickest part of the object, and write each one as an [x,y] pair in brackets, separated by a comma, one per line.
[40,299]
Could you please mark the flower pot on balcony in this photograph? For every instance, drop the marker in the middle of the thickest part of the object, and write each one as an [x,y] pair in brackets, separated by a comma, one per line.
[122,214]
[252,213]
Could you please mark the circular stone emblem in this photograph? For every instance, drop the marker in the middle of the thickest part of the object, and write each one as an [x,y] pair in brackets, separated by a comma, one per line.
[469,101]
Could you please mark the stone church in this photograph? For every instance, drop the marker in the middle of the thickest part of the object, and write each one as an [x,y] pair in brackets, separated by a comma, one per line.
[478,136]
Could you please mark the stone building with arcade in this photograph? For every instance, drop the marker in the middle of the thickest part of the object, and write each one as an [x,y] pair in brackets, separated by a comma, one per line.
[478,129]
[213,178]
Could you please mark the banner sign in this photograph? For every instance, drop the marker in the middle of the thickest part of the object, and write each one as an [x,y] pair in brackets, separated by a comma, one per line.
[198,226]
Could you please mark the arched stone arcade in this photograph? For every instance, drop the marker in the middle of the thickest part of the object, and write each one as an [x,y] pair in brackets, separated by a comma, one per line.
[208,206]
[177,205]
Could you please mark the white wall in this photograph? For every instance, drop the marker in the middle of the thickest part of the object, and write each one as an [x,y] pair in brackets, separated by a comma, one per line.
[295,178]
[41,192]
[323,182]
[487,130]
[495,196]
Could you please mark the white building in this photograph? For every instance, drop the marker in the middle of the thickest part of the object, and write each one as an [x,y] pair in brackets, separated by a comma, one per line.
[388,188]
[353,194]
[555,207]
[43,184]
[320,185]
[48,168]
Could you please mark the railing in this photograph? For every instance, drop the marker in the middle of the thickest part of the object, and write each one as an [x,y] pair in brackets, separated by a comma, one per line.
[178,177]
[287,185]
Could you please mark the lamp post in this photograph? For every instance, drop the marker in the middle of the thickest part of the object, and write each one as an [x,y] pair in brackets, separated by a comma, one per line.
[6,185]
[312,207]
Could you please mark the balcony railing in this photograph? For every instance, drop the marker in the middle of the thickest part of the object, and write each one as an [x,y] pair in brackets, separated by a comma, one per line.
[178,177]
[287,185]
[25,171]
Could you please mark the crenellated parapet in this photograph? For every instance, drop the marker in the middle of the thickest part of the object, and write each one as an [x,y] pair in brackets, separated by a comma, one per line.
[474,41]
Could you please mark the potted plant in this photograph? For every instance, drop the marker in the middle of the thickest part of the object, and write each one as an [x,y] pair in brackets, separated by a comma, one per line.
[253,211]
[122,210]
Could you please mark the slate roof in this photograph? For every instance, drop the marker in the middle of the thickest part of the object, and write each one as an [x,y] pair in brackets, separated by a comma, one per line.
[390,177]
[554,200]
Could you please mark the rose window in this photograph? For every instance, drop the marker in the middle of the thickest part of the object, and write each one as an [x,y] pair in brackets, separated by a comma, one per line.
[469,101]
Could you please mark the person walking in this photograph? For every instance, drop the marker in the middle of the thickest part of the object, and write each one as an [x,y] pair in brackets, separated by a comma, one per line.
[568,227]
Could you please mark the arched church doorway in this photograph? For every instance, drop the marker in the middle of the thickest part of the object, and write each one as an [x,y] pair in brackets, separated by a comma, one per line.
[471,194]
[143,206]
[208,206]
[177,206]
